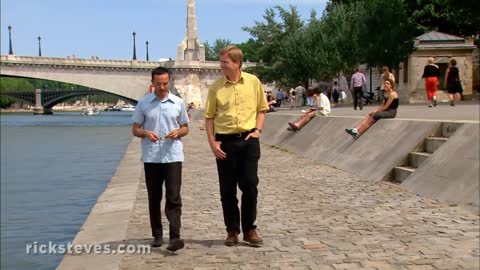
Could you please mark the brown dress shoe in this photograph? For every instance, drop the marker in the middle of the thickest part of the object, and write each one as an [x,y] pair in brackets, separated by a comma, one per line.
[232,239]
[253,238]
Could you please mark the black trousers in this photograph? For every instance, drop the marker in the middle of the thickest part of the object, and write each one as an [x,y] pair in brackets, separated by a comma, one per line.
[357,97]
[155,175]
[239,169]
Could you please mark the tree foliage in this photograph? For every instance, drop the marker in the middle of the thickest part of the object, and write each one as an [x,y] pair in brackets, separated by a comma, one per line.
[456,17]
[212,52]
[349,32]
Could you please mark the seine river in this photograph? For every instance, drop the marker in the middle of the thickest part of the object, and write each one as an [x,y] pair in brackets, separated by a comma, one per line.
[53,168]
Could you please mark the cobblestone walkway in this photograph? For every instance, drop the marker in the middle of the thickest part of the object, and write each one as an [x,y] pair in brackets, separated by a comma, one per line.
[311,217]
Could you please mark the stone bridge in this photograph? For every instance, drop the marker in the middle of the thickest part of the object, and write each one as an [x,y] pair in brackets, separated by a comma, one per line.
[128,79]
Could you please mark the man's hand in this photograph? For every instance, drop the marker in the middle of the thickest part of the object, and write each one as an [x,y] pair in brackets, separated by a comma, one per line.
[174,134]
[217,151]
[254,134]
[152,136]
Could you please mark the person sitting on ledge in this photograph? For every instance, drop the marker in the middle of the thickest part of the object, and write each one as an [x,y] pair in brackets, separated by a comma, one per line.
[321,107]
[387,110]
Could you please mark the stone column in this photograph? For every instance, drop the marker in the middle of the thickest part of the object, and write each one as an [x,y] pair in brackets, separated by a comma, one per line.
[38,109]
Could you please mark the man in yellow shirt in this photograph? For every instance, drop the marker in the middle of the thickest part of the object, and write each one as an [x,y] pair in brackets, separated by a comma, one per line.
[234,116]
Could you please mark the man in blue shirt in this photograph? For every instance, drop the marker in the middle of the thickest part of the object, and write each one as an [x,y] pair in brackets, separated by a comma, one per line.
[160,120]
[280,96]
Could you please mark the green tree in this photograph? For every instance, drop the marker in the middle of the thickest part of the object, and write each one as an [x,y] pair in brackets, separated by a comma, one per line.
[456,17]
[270,37]
[213,51]
[250,50]
[386,35]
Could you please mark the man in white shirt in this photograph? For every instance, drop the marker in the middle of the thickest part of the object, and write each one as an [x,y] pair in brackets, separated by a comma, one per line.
[356,83]
[320,108]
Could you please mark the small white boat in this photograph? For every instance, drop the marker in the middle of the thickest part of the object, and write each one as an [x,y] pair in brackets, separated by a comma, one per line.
[127,108]
[90,111]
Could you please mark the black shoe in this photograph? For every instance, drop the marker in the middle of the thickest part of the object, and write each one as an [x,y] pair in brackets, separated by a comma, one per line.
[434,103]
[175,244]
[156,242]
[352,132]
[292,126]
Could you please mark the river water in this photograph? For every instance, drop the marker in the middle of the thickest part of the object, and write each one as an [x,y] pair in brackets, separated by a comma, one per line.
[53,168]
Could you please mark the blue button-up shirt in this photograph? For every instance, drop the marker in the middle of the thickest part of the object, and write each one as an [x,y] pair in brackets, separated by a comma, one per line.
[161,117]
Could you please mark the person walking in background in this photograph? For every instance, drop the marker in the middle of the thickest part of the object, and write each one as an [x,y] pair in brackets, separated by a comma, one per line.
[335,93]
[343,96]
[292,97]
[431,73]
[321,107]
[386,74]
[356,83]
[299,95]
[161,120]
[279,96]
[453,82]
[387,110]
[234,116]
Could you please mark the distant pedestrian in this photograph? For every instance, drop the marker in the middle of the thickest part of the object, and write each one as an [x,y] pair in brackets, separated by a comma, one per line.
[300,92]
[279,97]
[453,82]
[160,120]
[234,115]
[335,93]
[431,73]
[343,96]
[387,110]
[357,83]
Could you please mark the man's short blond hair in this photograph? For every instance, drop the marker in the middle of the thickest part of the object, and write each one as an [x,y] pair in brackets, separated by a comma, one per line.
[431,60]
[234,53]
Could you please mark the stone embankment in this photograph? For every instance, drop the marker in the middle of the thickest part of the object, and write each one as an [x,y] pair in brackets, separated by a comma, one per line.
[311,216]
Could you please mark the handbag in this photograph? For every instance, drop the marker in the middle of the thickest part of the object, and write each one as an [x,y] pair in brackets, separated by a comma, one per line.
[459,86]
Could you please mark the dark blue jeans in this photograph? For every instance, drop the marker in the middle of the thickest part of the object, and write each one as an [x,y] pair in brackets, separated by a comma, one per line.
[357,97]
[239,169]
[155,175]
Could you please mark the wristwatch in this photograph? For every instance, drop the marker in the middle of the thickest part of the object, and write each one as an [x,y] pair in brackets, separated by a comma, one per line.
[259,130]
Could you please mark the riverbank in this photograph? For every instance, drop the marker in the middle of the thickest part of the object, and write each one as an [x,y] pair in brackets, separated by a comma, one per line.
[327,219]
[108,220]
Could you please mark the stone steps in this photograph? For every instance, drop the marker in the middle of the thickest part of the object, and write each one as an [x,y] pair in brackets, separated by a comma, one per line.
[430,145]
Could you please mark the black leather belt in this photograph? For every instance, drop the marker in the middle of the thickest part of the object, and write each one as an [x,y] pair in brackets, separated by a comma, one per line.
[240,135]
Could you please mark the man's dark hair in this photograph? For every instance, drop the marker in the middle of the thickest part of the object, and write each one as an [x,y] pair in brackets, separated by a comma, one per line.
[160,71]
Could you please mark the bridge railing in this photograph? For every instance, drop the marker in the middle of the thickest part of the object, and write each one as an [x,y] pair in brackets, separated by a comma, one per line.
[103,63]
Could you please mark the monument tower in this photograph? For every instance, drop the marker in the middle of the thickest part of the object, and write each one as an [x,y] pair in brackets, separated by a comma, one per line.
[190,49]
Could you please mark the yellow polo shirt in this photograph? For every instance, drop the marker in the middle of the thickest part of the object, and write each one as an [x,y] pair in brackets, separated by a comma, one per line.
[234,106]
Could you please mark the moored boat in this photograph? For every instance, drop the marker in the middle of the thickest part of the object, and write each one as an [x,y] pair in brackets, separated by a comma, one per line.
[90,111]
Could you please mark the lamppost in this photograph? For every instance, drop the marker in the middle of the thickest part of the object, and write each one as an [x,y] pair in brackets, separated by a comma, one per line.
[146,43]
[39,46]
[10,50]
[134,49]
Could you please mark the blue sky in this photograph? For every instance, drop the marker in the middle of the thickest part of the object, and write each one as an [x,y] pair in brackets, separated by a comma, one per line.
[104,28]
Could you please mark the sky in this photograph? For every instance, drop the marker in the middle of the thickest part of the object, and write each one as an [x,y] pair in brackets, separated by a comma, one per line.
[104,28]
